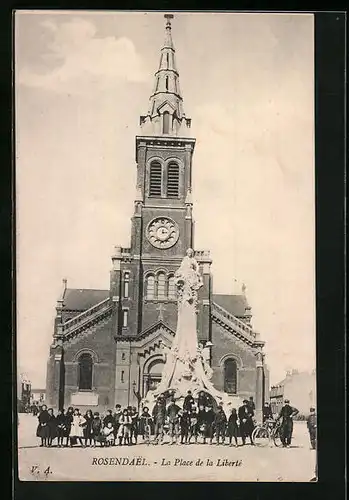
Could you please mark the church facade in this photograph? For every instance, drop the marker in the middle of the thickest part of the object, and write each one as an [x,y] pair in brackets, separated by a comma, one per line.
[108,345]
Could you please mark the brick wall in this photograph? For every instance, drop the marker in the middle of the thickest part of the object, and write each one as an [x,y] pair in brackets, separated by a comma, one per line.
[101,342]
[223,344]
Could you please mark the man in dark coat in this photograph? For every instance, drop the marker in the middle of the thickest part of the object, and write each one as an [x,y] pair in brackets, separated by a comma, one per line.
[251,404]
[159,414]
[210,417]
[312,426]
[286,415]
[188,402]
[184,423]
[246,421]
[203,399]
[117,415]
[267,413]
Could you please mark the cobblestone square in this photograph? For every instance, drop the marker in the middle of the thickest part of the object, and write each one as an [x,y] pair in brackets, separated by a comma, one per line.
[143,462]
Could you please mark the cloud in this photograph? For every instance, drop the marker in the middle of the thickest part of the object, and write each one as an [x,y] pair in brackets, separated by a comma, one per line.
[81,58]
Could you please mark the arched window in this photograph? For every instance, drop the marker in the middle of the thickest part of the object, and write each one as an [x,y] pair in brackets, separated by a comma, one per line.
[161,286]
[150,287]
[230,376]
[171,288]
[173,180]
[126,285]
[155,179]
[166,122]
[85,372]
[166,83]
[124,318]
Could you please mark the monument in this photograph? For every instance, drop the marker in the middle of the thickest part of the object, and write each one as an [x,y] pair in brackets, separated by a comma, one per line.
[186,367]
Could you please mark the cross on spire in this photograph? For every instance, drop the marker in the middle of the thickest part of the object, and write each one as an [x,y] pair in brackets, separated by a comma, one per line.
[168,18]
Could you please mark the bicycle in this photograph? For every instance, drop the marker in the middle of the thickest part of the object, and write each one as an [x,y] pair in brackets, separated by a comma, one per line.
[267,433]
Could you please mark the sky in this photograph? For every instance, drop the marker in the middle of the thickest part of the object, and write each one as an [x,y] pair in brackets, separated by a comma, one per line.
[82,79]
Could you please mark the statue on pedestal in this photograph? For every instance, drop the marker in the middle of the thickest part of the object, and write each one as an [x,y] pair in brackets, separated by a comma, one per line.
[186,367]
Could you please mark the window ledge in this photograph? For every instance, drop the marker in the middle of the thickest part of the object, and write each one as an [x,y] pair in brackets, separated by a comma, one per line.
[155,301]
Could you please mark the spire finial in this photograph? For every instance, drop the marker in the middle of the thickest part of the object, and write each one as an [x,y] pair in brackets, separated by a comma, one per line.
[168,18]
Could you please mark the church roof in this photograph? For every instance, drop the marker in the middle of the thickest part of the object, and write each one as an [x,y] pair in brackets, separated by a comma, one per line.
[77,299]
[235,304]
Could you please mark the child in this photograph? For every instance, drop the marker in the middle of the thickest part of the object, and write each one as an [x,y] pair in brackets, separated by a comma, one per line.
[52,426]
[220,423]
[108,418]
[96,428]
[61,427]
[77,430]
[193,429]
[233,427]
[173,418]
[202,427]
[145,425]
[108,433]
[124,431]
[184,423]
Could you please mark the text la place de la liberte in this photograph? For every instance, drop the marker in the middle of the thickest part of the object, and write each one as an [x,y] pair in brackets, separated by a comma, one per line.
[176,462]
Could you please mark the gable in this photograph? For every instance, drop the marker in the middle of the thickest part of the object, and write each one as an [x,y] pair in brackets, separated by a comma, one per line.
[166,106]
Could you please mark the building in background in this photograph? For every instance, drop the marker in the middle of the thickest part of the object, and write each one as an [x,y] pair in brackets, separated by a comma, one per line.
[298,387]
[38,396]
[108,344]
[23,392]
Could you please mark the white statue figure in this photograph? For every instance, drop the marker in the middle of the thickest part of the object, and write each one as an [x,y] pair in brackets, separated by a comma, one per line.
[188,278]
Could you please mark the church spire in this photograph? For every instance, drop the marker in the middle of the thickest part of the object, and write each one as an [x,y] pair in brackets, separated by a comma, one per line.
[166,114]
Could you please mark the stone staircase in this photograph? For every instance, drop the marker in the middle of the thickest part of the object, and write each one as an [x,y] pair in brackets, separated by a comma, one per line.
[230,322]
[85,320]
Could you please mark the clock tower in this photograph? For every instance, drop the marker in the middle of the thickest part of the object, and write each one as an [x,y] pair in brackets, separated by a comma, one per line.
[162,224]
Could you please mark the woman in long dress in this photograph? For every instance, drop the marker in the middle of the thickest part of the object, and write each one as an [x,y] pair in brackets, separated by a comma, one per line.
[77,427]
[43,430]
[87,429]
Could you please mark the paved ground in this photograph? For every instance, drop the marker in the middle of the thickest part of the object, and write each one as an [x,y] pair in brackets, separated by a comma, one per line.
[164,463]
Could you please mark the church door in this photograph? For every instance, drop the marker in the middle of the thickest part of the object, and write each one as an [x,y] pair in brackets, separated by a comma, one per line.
[152,376]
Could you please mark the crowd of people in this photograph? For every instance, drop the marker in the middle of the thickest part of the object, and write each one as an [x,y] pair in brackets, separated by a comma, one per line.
[195,422]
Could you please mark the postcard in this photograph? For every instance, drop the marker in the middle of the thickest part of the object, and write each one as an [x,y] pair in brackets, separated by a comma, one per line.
[165,246]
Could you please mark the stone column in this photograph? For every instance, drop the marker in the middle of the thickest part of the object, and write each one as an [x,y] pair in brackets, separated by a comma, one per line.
[115,287]
[59,376]
[259,387]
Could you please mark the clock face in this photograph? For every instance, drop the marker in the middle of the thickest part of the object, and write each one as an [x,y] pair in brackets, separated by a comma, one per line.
[162,232]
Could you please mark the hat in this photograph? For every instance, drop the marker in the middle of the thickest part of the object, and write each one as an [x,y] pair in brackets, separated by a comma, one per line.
[287,401]
[245,401]
[312,409]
